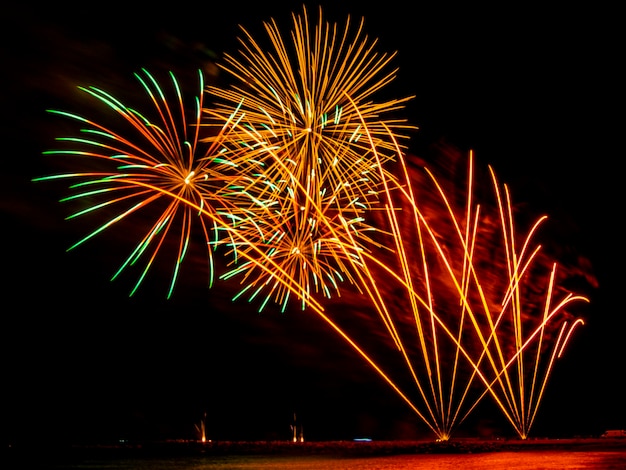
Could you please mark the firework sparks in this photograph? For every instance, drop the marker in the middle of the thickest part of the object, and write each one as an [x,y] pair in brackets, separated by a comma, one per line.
[304,180]
[303,101]
[152,167]
[305,124]
[464,333]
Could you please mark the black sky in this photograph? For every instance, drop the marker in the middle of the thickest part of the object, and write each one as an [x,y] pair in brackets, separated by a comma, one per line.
[532,90]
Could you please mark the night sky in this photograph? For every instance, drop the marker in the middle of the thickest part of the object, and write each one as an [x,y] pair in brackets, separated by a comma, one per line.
[531,90]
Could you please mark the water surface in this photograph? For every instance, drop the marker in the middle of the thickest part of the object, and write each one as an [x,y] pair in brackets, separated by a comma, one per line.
[526,460]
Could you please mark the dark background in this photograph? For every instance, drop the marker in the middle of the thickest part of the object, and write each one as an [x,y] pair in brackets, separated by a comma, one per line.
[535,91]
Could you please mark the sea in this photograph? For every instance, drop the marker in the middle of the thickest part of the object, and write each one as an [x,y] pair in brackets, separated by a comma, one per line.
[545,460]
[549,458]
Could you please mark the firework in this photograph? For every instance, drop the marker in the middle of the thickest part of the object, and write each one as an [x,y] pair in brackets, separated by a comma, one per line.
[311,103]
[304,179]
[151,168]
[304,128]
[479,313]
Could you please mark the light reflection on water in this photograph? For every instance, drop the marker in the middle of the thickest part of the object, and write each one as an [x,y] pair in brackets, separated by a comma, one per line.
[527,460]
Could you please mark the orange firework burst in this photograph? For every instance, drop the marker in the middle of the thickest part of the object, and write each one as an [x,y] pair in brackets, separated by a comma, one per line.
[316,148]
[303,101]
[309,242]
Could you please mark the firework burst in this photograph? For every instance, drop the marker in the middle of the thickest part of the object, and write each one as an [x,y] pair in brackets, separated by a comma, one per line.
[304,133]
[311,102]
[151,168]
[316,245]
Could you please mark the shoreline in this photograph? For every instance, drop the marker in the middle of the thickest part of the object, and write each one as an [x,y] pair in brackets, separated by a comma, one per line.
[183,448]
